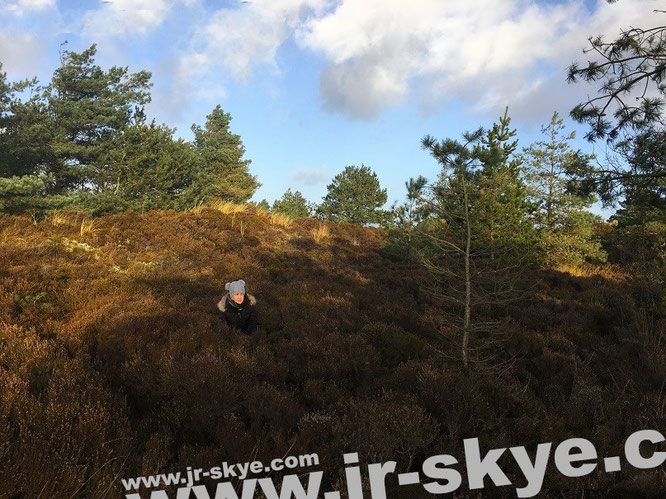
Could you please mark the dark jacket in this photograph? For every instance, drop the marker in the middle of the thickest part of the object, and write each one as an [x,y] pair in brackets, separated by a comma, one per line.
[242,317]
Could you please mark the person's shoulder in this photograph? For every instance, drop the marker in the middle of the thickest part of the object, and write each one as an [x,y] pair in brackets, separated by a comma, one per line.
[222,304]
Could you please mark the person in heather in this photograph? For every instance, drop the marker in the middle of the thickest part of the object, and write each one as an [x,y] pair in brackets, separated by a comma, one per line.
[237,307]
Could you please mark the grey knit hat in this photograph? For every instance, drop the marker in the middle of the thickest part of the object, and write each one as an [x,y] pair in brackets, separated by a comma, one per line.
[235,287]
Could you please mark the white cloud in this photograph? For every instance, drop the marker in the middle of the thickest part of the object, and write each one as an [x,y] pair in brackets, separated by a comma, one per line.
[488,52]
[310,176]
[22,6]
[20,55]
[119,17]
[241,38]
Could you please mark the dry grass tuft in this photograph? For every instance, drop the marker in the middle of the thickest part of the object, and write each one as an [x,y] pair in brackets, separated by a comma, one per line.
[261,212]
[320,233]
[606,271]
[228,207]
[198,209]
[87,227]
[281,220]
[58,219]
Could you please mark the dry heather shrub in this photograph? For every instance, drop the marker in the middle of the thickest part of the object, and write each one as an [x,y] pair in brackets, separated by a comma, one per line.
[157,453]
[281,219]
[270,407]
[21,350]
[69,439]
[391,428]
[320,232]
[346,359]
[393,343]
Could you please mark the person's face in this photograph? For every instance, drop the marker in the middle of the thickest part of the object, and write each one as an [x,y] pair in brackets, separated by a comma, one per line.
[238,298]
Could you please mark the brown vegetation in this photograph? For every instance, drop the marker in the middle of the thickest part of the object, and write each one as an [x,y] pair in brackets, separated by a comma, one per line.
[113,363]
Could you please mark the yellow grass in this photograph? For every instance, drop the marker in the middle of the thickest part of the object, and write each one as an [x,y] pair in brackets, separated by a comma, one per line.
[87,226]
[228,207]
[281,219]
[198,209]
[58,219]
[320,233]
[607,271]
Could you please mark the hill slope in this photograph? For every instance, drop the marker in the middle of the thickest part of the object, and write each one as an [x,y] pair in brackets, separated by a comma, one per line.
[113,363]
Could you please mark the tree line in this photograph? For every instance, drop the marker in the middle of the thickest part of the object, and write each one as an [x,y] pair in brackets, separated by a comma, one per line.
[83,142]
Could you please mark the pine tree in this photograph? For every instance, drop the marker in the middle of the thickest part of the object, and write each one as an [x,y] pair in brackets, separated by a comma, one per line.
[454,196]
[563,218]
[263,205]
[503,208]
[88,108]
[481,231]
[415,209]
[404,220]
[26,158]
[293,204]
[640,234]
[354,196]
[223,173]
[145,169]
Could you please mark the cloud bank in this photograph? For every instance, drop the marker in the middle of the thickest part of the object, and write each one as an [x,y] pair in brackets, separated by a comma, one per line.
[383,52]
[376,54]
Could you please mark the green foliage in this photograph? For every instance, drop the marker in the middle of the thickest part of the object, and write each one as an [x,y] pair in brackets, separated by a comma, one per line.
[484,239]
[36,300]
[147,169]
[82,143]
[88,108]
[415,209]
[640,233]
[354,196]
[482,179]
[626,68]
[630,73]
[224,174]
[26,131]
[576,241]
[263,204]
[404,219]
[26,193]
[502,209]
[294,205]
[562,216]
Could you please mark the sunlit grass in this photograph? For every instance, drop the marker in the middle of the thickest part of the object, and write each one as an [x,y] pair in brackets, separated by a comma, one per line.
[281,220]
[320,233]
[606,271]
[57,219]
[228,207]
[87,226]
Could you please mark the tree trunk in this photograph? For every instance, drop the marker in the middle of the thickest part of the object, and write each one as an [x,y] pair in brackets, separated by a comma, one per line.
[468,281]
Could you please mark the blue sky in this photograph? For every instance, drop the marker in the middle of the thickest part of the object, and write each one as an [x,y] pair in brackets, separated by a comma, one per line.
[315,85]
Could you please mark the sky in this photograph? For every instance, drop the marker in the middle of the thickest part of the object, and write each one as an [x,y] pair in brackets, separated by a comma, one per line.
[315,85]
